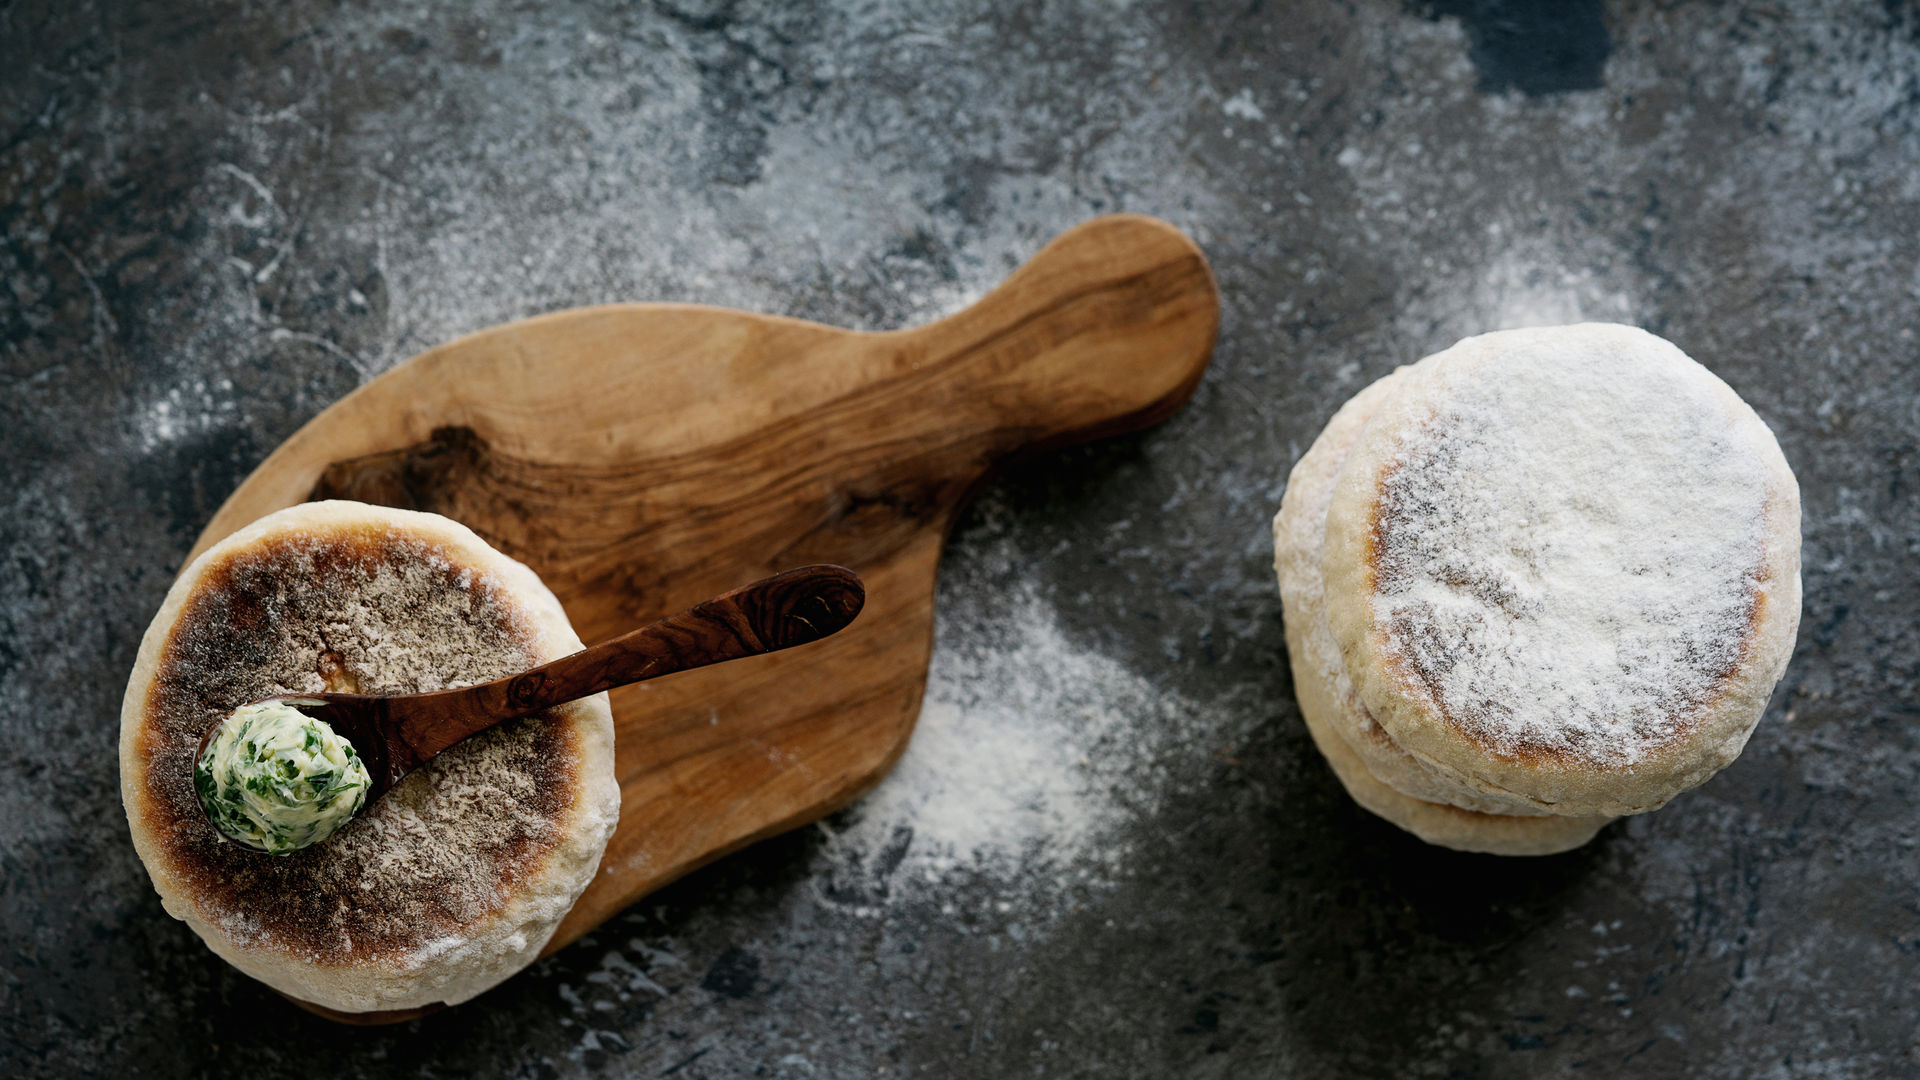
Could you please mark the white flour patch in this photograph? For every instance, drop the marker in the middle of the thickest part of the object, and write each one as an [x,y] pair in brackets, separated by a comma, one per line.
[1031,758]
[1242,105]
[1525,286]
[185,410]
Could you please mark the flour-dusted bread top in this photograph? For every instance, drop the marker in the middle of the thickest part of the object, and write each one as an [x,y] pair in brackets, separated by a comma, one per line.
[1374,770]
[1563,563]
[458,876]
[1299,542]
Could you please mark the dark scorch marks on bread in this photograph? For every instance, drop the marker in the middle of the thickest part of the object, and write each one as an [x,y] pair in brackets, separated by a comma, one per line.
[395,615]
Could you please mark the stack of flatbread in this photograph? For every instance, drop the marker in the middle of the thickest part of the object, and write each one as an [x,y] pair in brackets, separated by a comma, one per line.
[1537,581]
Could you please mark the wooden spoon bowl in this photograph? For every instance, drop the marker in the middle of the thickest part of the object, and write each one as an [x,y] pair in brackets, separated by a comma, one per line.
[641,457]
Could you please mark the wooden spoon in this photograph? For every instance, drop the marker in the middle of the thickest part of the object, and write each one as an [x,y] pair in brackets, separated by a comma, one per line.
[396,734]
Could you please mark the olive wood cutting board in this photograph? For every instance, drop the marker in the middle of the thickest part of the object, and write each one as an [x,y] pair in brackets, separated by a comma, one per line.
[644,457]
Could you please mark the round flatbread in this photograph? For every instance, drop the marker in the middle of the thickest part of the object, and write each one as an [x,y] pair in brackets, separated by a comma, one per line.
[459,875]
[1562,564]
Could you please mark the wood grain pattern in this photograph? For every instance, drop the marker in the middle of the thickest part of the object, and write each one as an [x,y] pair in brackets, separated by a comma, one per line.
[641,457]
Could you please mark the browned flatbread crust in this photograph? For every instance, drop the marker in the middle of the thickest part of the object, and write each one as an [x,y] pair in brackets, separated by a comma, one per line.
[458,876]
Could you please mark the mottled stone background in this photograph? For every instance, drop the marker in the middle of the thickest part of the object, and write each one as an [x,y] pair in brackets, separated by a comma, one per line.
[217,218]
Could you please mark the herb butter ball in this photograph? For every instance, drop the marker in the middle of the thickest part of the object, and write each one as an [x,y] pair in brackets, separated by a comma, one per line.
[276,779]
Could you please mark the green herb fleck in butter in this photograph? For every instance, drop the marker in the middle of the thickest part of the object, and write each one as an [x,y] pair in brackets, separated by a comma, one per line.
[276,779]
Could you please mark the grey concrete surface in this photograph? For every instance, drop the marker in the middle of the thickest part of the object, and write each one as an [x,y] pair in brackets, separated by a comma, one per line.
[1112,851]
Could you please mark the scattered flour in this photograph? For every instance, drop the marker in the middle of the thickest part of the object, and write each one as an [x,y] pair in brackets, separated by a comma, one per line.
[185,410]
[1032,755]
[1526,284]
[1242,105]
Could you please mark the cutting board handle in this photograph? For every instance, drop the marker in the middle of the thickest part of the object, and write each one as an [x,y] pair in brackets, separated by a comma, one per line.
[1106,330]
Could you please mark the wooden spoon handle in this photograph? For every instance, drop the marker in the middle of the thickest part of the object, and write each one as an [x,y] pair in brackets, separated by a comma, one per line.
[779,612]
